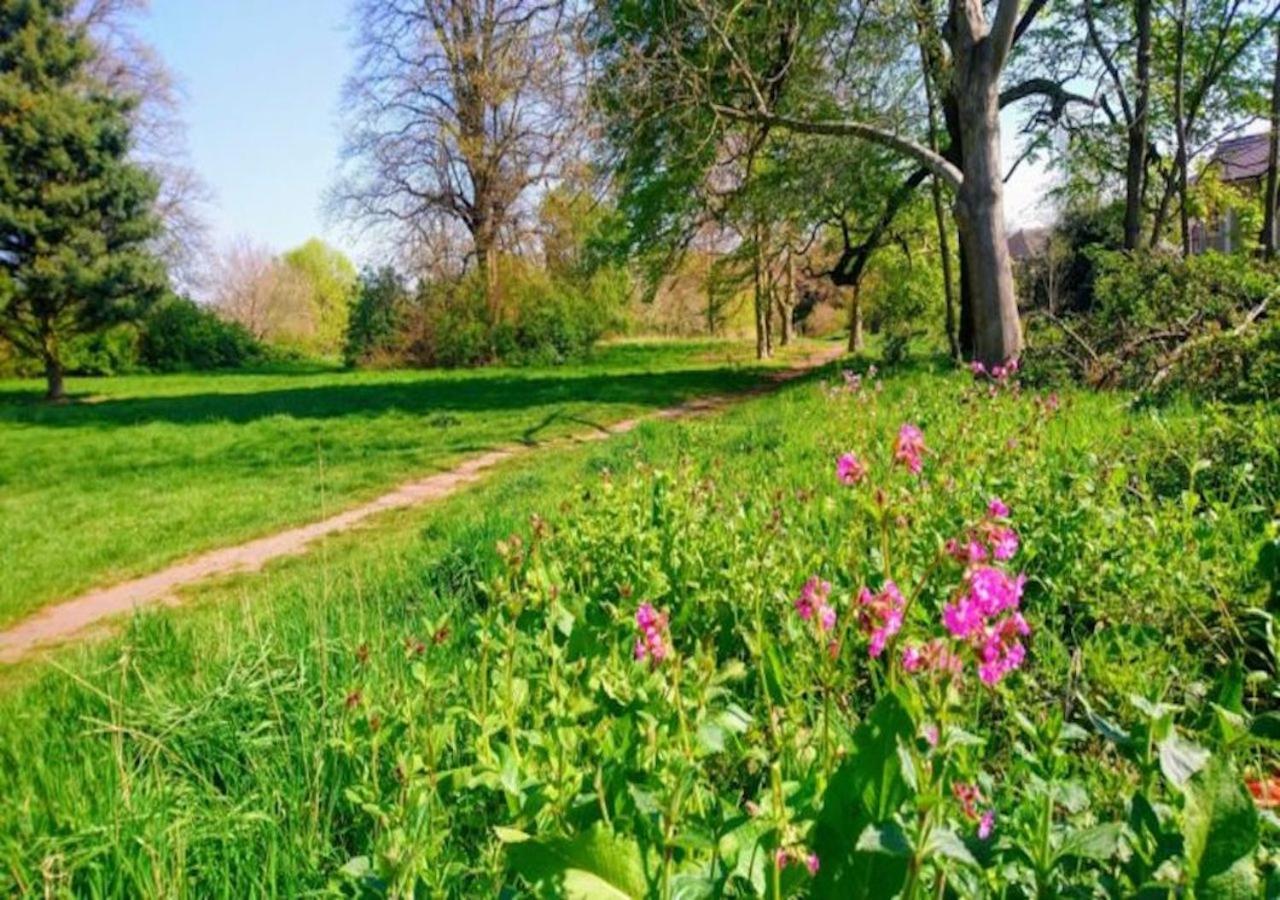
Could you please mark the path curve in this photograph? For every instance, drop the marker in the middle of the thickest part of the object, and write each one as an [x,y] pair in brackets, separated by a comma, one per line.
[62,621]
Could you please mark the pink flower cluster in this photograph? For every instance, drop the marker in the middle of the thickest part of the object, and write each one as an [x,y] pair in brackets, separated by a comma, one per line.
[784,857]
[880,615]
[812,604]
[997,372]
[992,537]
[849,469]
[909,448]
[986,616]
[652,643]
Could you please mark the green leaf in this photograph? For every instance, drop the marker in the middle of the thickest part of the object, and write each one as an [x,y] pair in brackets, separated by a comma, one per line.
[1266,726]
[946,843]
[1180,759]
[866,789]
[1101,842]
[887,838]
[1220,833]
[594,865]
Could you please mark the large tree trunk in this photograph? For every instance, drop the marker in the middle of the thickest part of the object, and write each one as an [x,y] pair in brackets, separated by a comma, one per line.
[53,377]
[1136,162]
[855,320]
[997,333]
[1273,163]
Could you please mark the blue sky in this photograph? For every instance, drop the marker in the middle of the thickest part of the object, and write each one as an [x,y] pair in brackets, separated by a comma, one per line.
[261,82]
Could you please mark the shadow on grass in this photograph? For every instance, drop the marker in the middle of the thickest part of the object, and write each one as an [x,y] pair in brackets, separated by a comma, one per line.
[477,393]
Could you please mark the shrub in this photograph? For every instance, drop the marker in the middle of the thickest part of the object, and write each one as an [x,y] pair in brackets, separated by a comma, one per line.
[1158,321]
[378,318]
[177,335]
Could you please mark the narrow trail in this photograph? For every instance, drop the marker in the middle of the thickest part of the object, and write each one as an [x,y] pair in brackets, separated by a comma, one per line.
[60,622]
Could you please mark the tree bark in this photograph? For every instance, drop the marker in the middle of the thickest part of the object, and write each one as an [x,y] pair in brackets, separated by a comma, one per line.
[1180,124]
[979,209]
[1273,163]
[764,347]
[1136,162]
[56,388]
[787,300]
[855,321]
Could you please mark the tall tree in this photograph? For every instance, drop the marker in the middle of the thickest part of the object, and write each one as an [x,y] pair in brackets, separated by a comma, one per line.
[1272,195]
[76,215]
[332,282]
[459,109]
[744,65]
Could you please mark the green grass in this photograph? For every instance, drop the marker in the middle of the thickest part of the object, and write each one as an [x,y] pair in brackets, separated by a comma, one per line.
[140,471]
[208,751]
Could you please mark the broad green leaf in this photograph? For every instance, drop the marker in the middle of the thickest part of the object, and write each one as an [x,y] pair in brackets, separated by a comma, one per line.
[1180,759]
[946,843]
[1101,842]
[887,838]
[1220,833]
[594,865]
[1266,726]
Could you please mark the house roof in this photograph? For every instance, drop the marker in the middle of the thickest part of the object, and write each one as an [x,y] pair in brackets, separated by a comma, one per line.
[1027,243]
[1242,158]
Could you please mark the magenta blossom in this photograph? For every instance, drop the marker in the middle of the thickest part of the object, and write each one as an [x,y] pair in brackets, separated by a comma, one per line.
[1004,543]
[986,824]
[986,616]
[880,615]
[811,863]
[849,469]
[813,603]
[997,509]
[909,448]
[651,644]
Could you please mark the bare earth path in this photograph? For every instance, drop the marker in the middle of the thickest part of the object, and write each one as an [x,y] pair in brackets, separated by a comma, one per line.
[62,621]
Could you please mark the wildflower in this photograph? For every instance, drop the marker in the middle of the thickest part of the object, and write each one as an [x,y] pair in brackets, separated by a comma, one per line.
[970,551]
[997,509]
[813,596]
[811,863]
[880,615]
[849,469]
[931,735]
[909,448]
[781,857]
[813,604]
[976,617]
[852,380]
[977,368]
[651,644]
[986,824]
[1004,543]
[1265,792]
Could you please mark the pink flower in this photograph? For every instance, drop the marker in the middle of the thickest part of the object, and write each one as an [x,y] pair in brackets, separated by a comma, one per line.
[811,863]
[849,469]
[977,368]
[986,616]
[826,617]
[931,735]
[987,824]
[880,615]
[651,644]
[969,797]
[1004,543]
[996,509]
[813,597]
[908,448]
[781,858]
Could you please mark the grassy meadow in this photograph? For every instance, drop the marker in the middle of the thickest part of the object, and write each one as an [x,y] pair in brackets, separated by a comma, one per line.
[451,704]
[140,471]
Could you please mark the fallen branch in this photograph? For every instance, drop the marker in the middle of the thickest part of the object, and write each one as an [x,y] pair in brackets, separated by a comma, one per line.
[1171,361]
